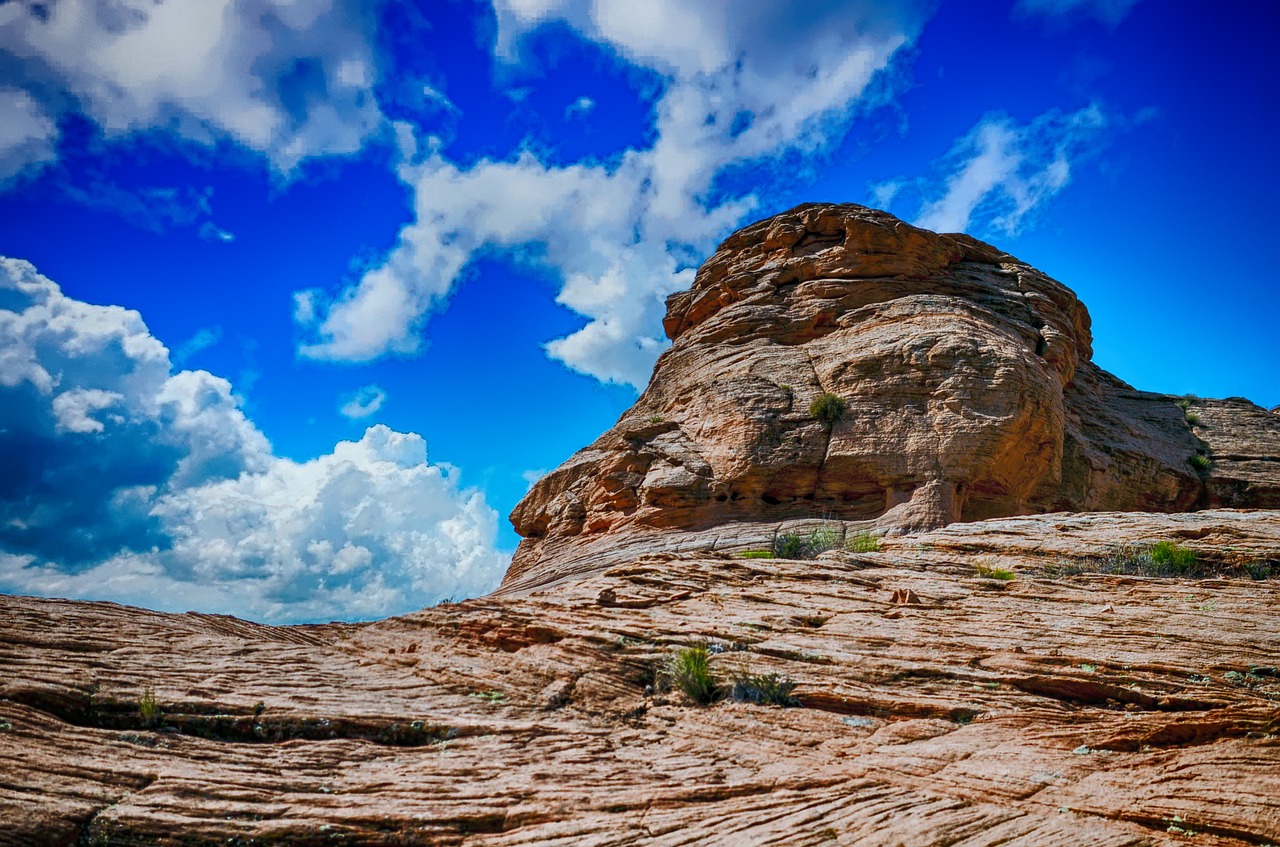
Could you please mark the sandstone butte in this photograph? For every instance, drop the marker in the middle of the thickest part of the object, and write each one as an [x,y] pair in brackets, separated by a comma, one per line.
[1003,668]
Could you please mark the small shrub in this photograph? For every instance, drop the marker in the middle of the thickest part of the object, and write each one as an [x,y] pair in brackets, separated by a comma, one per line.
[862,542]
[1260,570]
[792,545]
[689,670]
[1200,462]
[489,696]
[764,689]
[823,539]
[789,545]
[1165,558]
[149,707]
[996,573]
[1185,401]
[828,408]
[1168,559]
[1193,418]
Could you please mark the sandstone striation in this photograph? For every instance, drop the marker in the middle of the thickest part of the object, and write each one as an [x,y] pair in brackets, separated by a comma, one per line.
[969,393]
[937,706]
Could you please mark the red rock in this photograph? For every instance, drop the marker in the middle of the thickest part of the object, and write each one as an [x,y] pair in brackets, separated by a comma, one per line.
[969,394]
[1031,715]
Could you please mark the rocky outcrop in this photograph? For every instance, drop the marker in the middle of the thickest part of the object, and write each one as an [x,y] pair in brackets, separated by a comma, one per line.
[968,393]
[937,705]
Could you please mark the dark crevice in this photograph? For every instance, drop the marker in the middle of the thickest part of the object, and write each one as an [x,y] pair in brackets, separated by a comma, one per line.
[215,722]
[1190,826]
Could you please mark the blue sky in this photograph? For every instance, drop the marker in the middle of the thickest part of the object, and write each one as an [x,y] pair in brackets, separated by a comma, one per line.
[302,295]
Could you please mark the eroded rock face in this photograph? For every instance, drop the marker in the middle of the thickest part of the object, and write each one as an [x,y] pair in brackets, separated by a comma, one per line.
[936,706]
[969,394]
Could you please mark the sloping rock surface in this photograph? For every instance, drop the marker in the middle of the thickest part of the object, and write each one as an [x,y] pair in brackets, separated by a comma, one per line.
[938,705]
[969,394]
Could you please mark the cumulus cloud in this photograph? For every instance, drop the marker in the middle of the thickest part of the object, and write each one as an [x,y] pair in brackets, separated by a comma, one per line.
[288,78]
[1110,12]
[744,82]
[1001,172]
[125,480]
[28,135]
[362,402]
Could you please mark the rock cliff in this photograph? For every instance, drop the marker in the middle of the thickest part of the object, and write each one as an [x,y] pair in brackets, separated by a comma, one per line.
[967,387]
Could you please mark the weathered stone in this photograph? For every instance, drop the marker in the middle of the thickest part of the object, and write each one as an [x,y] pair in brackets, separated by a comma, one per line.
[933,710]
[969,394]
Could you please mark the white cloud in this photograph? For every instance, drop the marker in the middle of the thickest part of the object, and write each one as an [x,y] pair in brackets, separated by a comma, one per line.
[363,402]
[580,107]
[27,134]
[204,338]
[1110,12]
[532,476]
[1001,172]
[882,194]
[127,481]
[288,78]
[74,409]
[744,82]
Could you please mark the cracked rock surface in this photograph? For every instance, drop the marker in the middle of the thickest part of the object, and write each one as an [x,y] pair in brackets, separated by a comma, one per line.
[974,685]
[969,393]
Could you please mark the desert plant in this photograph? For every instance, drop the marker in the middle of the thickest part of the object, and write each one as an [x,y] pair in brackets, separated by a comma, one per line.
[823,539]
[789,545]
[149,707]
[996,573]
[1169,559]
[793,545]
[764,689]
[1193,418]
[689,670]
[862,542]
[1200,462]
[756,554]
[1260,570]
[828,408]
[1184,402]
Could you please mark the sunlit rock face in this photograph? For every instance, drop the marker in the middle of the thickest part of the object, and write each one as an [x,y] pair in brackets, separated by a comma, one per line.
[968,388]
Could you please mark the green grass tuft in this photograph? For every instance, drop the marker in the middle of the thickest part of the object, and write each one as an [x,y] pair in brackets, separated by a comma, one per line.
[1168,559]
[1201,462]
[828,408]
[149,707]
[756,554]
[689,670]
[764,689]
[793,545]
[996,573]
[862,542]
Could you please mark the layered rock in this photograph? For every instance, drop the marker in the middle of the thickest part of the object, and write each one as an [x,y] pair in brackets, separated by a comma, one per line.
[936,706]
[968,388]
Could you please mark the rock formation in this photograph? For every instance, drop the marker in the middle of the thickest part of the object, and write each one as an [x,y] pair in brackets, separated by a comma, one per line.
[938,706]
[977,679]
[968,393]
